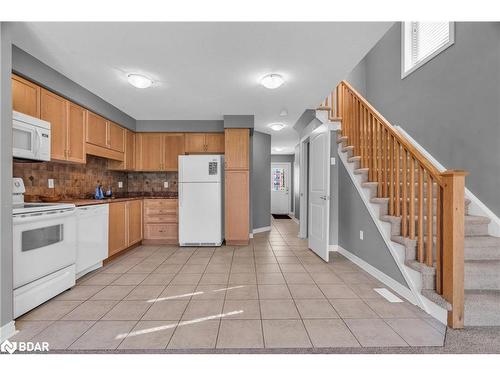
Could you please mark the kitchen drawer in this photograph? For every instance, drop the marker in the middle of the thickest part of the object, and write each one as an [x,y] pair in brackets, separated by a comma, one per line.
[170,218]
[160,211]
[160,203]
[161,231]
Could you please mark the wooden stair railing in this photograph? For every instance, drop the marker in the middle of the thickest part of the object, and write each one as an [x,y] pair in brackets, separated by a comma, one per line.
[412,185]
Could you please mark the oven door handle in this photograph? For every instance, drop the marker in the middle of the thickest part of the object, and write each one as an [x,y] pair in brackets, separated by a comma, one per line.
[56,214]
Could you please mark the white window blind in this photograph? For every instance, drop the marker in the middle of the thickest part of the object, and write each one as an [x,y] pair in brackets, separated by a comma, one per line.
[428,37]
[422,41]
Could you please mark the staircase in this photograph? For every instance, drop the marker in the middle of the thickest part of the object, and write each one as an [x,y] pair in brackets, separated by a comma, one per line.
[458,260]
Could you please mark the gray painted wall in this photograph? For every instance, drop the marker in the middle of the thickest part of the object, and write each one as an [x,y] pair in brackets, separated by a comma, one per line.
[239,121]
[261,162]
[353,217]
[179,126]
[285,159]
[450,105]
[6,308]
[33,69]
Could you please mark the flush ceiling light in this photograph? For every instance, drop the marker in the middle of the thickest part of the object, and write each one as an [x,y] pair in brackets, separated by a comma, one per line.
[139,81]
[277,126]
[278,149]
[272,81]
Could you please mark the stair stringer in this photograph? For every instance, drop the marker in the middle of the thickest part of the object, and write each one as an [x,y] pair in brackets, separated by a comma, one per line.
[412,277]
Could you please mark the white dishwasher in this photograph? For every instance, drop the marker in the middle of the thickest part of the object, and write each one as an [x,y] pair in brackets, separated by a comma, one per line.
[91,237]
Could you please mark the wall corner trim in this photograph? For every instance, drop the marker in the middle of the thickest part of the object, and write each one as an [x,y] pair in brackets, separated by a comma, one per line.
[7,331]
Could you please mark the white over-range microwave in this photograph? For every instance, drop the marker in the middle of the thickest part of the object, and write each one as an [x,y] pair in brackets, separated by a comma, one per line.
[30,137]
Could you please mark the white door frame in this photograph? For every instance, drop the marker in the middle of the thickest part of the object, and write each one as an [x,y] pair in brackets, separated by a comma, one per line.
[304,175]
[288,182]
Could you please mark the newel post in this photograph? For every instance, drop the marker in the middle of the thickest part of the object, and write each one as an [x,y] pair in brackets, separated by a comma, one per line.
[453,244]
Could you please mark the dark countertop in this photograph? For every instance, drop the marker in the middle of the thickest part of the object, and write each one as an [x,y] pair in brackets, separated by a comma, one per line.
[120,198]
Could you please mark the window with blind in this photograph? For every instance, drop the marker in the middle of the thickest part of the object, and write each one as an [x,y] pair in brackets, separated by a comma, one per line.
[422,41]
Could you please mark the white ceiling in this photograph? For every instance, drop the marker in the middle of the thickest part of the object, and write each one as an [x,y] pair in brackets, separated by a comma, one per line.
[205,70]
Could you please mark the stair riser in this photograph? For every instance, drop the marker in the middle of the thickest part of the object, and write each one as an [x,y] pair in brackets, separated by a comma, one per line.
[384,207]
[470,229]
[482,275]
[482,310]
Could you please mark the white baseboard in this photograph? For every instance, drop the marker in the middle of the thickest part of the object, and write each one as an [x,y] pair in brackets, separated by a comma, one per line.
[334,248]
[261,229]
[380,276]
[7,331]
[296,220]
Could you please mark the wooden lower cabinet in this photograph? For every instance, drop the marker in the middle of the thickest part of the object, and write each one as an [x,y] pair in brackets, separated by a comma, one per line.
[125,225]
[237,216]
[117,236]
[161,221]
[134,216]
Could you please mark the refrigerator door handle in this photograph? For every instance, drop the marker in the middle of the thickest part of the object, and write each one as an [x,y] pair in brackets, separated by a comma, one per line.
[180,195]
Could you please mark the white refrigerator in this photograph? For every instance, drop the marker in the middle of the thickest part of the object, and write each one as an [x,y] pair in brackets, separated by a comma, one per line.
[201,189]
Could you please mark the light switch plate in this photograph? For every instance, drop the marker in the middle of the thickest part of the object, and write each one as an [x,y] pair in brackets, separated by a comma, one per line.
[120,184]
[361,235]
[332,161]
[165,184]
[51,183]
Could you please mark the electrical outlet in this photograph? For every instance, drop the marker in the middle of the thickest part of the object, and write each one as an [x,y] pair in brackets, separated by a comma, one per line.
[361,235]
[165,184]
[120,184]
[51,183]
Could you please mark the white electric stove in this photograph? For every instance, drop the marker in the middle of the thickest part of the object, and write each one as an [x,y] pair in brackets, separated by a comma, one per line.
[44,247]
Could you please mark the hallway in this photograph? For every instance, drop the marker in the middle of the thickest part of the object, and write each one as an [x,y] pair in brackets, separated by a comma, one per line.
[275,293]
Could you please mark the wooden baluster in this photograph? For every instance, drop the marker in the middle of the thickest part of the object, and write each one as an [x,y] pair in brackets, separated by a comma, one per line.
[397,202]
[439,231]
[404,200]
[385,144]
[379,160]
[411,220]
[362,137]
[428,249]
[391,171]
[420,244]
[372,147]
[453,183]
[356,128]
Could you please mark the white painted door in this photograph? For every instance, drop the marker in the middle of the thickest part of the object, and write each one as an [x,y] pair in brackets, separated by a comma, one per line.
[280,188]
[319,190]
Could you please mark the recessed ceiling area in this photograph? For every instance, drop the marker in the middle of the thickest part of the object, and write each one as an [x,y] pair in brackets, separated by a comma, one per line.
[202,71]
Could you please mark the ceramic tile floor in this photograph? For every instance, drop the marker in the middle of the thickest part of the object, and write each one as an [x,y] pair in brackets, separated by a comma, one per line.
[274,293]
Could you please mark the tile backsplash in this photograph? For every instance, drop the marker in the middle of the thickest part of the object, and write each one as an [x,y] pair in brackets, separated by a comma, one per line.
[79,181]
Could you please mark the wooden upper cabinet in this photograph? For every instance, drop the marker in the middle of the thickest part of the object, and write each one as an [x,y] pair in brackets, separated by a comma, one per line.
[200,143]
[214,143]
[130,150]
[194,143]
[54,110]
[25,96]
[97,130]
[149,151]
[116,135]
[75,133]
[173,146]
[236,151]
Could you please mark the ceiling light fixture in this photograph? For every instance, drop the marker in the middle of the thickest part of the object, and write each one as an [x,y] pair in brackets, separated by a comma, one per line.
[272,81]
[277,126]
[278,149]
[139,81]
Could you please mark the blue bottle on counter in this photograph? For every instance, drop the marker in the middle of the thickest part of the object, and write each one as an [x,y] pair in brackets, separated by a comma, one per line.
[98,192]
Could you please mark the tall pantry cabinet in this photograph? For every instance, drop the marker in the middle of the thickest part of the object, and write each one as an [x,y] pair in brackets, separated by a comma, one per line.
[237,186]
